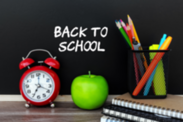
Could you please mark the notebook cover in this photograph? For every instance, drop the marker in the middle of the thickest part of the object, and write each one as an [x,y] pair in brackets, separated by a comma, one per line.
[172,102]
[140,116]
[112,119]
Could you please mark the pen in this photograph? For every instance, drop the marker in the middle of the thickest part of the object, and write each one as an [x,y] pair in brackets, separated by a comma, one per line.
[149,82]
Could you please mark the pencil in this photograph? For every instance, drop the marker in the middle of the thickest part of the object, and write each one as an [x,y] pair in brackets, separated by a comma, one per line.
[123,33]
[131,27]
[134,34]
[123,25]
[134,30]
[134,57]
[129,34]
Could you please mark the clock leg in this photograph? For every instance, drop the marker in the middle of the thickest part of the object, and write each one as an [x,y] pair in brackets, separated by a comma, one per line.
[52,105]
[27,105]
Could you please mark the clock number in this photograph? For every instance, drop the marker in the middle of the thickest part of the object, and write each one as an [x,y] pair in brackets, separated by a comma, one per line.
[28,91]
[48,80]
[32,76]
[38,97]
[44,95]
[38,74]
[43,76]
[49,85]
[27,86]
[28,81]
[48,91]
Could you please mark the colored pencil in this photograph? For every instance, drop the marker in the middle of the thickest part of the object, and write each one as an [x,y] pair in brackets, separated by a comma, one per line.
[129,35]
[134,34]
[123,25]
[134,30]
[123,33]
[131,27]
[134,57]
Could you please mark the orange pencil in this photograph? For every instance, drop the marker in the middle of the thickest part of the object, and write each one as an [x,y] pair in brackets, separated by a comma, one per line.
[152,65]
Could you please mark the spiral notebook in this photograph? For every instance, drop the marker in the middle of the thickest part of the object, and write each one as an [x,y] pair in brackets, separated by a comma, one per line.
[135,115]
[112,119]
[172,106]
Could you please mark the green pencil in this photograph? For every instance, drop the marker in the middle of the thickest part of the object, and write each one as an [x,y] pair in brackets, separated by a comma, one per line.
[123,33]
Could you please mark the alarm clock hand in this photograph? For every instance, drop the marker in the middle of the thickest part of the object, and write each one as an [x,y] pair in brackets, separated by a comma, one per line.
[35,92]
[44,88]
[41,86]
[38,86]
[38,81]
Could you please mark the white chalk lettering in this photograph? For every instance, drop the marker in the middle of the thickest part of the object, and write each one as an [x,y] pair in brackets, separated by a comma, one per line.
[68,47]
[62,46]
[66,31]
[85,46]
[106,31]
[95,46]
[57,31]
[76,34]
[79,45]
[99,49]
[81,32]
[95,30]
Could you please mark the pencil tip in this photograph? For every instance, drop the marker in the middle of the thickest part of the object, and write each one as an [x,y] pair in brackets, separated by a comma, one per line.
[116,21]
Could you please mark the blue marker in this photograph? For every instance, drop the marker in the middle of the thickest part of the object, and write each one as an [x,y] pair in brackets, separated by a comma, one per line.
[149,82]
[162,40]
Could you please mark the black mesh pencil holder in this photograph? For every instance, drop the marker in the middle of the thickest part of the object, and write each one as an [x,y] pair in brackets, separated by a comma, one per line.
[156,85]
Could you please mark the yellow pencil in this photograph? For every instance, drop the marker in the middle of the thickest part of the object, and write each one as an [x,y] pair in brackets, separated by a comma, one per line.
[134,30]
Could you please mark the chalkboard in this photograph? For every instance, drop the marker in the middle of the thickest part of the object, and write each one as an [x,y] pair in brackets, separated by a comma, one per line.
[27,25]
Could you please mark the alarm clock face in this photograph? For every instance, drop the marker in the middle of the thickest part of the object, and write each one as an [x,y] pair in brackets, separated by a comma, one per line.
[38,86]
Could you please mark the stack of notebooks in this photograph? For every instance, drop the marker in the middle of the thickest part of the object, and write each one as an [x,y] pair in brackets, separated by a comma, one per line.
[126,109]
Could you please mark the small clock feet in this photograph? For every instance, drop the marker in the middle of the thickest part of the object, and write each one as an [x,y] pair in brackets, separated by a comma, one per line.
[52,105]
[27,105]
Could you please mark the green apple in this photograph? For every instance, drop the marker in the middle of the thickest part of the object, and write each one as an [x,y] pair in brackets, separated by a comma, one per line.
[89,91]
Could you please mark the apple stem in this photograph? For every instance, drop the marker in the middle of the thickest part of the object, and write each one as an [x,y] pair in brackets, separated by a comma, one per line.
[89,73]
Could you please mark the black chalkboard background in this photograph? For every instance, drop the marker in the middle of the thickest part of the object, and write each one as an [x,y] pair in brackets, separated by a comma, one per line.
[26,25]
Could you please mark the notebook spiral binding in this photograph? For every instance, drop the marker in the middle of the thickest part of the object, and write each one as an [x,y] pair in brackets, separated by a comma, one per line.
[111,119]
[125,116]
[148,108]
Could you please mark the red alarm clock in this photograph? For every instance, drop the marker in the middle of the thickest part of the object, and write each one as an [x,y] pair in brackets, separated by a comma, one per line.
[39,85]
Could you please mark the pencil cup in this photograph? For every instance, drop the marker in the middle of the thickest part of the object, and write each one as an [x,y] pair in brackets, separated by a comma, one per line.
[156,85]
